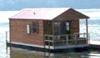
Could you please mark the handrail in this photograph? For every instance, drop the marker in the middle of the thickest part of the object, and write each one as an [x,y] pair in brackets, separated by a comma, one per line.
[67,34]
[69,39]
[75,34]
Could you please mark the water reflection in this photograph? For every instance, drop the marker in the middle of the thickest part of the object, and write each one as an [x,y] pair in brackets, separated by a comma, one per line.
[22,53]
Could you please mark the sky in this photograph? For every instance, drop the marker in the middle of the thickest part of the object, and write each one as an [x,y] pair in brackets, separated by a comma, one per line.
[20,4]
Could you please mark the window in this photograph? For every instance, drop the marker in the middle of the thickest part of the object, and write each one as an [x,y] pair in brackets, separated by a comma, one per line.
[28,29]
[57,23]
[67,26]
[35,27]
[56,28]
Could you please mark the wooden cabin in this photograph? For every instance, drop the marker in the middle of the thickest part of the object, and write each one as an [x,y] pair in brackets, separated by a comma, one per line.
[49,28]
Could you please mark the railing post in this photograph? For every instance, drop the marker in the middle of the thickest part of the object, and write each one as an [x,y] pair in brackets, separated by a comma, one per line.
[53,41]
[66,39]
[87,28]
[6,35]
[75,38]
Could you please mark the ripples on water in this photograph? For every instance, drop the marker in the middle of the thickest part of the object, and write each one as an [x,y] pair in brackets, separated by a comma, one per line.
[21,53]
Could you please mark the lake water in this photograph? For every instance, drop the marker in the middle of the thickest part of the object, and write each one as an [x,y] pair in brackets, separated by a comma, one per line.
[22,53]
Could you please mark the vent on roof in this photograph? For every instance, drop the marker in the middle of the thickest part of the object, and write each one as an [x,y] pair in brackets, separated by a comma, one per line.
[34,13]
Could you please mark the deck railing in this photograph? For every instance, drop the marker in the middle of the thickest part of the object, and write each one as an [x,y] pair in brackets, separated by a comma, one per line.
[66,39]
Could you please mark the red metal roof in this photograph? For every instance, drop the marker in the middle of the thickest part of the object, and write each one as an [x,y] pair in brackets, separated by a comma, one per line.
[41,13]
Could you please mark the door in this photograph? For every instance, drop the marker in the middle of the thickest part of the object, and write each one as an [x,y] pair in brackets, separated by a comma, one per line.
[56,28]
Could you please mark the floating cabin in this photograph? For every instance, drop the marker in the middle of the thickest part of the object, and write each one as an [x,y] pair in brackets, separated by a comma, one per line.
[53,29]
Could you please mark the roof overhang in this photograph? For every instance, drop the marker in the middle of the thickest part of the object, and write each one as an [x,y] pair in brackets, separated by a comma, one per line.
[46,13]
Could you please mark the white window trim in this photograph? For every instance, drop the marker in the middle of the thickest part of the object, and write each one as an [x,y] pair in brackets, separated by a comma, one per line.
[28,28]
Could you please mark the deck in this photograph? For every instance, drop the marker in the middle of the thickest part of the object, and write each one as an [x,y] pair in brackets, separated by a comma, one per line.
[65,41]
[59,43]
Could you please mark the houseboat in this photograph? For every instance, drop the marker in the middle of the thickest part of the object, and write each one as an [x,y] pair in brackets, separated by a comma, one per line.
[53,29]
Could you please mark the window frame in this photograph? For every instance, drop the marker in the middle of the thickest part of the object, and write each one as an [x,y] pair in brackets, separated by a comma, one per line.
[28,29]
[35,27]
[67,24]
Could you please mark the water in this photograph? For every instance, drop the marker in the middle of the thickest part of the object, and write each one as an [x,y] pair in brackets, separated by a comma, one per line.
[22,53]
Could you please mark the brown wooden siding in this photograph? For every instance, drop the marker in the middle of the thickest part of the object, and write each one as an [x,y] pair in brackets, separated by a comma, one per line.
[18,32]
[74,26]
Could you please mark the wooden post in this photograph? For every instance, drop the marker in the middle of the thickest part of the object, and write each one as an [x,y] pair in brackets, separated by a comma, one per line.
[87,29]
[53,34]
[6,39]
[66,39]
[44,46]
[6,42]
